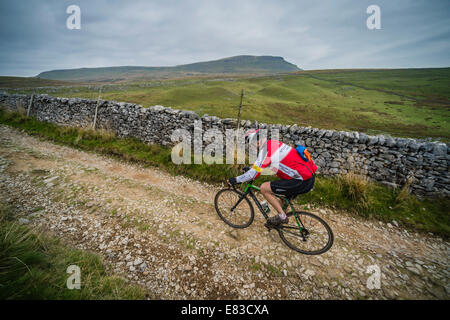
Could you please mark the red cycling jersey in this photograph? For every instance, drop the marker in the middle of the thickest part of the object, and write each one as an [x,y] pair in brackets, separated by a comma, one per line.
[283,160]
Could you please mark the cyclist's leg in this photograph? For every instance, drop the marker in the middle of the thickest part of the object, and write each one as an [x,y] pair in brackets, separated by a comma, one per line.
[266,190]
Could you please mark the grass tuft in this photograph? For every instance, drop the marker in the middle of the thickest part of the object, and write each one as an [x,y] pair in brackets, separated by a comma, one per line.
[355,188]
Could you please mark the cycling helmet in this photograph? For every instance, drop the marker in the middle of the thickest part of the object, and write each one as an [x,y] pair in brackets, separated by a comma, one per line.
[251,136]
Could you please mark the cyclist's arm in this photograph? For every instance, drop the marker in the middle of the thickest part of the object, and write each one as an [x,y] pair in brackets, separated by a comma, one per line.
[261,162]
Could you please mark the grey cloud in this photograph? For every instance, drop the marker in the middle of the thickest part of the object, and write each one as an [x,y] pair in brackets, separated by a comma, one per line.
[313,35]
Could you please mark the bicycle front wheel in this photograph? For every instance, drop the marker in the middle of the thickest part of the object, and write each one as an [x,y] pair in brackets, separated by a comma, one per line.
[234,208]
[306,233]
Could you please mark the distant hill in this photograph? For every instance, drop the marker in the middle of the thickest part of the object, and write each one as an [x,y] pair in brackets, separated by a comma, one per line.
[244,64]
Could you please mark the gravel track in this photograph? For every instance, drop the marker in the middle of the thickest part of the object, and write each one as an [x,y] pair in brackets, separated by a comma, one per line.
[162,232]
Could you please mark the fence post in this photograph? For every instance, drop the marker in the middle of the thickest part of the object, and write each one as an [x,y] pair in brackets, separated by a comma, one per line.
[239,112]
[239,116]
[238,126]
[96,108]
[29,105]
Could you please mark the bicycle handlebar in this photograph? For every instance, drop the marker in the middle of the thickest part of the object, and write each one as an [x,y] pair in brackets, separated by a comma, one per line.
[244,169]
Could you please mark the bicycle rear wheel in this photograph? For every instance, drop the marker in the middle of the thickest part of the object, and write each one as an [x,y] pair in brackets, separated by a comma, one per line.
[237,215]
[314,236]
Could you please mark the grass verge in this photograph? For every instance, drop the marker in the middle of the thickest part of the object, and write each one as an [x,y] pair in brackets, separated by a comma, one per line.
[349,192]
[33,266]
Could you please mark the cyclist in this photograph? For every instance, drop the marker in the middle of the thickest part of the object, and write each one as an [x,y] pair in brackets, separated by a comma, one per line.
[296,174]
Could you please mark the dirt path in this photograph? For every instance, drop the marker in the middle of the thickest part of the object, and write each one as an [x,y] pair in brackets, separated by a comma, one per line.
[163,232]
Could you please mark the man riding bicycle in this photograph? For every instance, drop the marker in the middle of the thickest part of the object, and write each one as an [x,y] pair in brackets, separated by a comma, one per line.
[296,172]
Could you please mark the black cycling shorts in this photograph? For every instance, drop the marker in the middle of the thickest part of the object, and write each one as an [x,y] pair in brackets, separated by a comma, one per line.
[292,187]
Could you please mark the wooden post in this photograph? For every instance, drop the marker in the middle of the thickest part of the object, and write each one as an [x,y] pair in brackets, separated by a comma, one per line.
[238,126]
[29,105]
[239,112]
[96,108]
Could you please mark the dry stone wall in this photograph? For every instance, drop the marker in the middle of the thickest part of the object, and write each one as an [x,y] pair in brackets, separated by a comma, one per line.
[391,161]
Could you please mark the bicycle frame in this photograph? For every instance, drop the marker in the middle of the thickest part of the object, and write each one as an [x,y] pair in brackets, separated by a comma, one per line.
[248,191]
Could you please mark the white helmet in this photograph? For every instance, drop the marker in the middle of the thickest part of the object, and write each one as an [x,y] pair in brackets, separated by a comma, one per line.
[251,135]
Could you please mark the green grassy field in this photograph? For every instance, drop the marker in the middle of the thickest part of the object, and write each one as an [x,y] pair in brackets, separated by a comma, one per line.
[353,194]
[406,102]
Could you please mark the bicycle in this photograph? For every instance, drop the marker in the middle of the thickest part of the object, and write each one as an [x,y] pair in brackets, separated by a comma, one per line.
[291,233]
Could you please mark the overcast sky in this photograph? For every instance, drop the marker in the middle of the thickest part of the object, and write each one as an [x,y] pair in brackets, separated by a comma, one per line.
[311,34]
